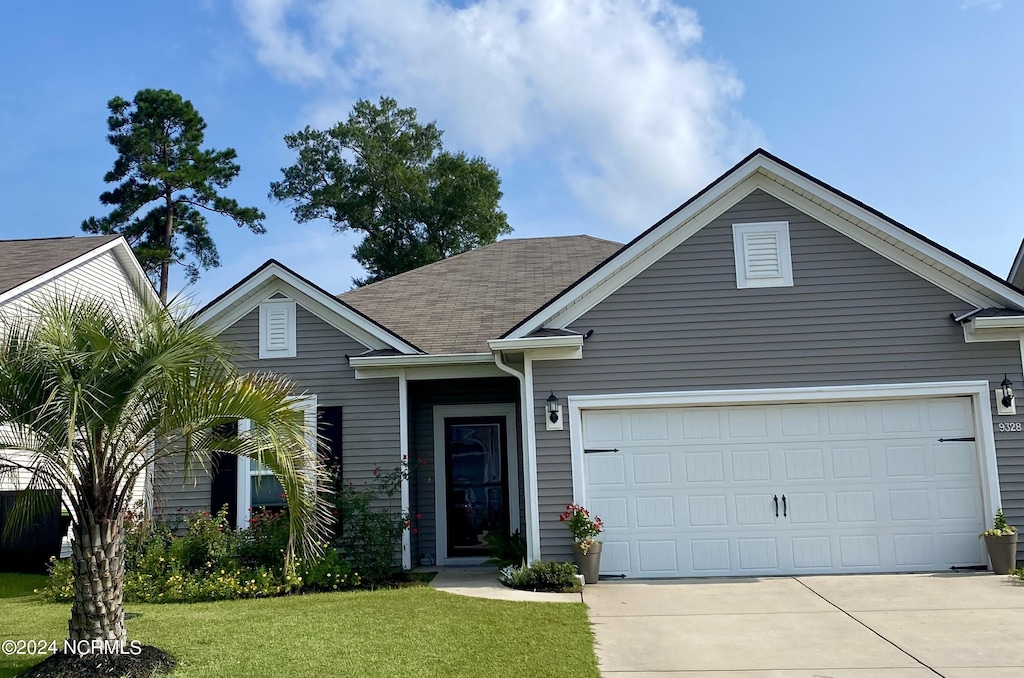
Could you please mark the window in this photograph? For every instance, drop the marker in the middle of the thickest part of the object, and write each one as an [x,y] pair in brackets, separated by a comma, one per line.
[277,328]
[762,255]
[257,486]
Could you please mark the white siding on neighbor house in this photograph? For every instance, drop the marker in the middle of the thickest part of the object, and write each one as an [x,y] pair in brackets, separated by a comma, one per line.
[370,432]
[851,317]
[101,277]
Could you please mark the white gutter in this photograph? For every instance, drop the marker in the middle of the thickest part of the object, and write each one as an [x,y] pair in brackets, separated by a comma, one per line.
[420,360]
[403,432]
[528,343]
[998,322]
[529,452]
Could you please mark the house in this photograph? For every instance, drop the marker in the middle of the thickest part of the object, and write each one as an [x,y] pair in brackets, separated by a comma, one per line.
[775,378]
[32,270]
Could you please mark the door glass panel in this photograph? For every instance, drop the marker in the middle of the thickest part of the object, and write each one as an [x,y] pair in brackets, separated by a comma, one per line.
[477,487]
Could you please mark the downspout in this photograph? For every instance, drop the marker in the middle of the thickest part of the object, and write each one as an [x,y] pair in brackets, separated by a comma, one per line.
[529,451]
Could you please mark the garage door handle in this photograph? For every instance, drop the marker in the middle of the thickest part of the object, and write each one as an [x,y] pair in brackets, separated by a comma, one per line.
[783,506]
[776,500]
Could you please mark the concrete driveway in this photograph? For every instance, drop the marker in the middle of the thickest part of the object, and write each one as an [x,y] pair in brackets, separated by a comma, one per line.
[904,626]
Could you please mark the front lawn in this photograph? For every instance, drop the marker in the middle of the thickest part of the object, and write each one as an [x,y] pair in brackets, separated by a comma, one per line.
[399,632]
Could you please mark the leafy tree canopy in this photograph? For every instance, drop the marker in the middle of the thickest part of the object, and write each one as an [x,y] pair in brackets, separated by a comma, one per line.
[386,175]
[166,182]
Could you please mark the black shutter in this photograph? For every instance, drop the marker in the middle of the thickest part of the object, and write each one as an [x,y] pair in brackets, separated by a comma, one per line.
[328,427]
[224,488]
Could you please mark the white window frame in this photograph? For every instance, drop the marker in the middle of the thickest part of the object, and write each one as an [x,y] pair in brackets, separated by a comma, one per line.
[248,469]
[781,231]
[265,307]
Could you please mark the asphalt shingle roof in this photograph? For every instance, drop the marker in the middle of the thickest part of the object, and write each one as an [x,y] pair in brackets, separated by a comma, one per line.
[456,305]
[23,260]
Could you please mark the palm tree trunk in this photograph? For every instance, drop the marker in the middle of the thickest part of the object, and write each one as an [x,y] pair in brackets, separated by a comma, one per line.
[97,556]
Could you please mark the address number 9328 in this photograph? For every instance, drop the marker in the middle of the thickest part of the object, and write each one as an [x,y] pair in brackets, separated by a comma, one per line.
[1008,426]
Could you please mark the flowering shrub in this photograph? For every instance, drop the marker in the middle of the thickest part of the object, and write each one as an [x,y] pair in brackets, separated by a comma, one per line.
[583,528]
[208,541]
[371,524]
[541,576]
[264,543]
[1000,528]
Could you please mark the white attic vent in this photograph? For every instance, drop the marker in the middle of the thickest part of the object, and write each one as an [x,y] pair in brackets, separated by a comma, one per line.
[762,255]
[277,328]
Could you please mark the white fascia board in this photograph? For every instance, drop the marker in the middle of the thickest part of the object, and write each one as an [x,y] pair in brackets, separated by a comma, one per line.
[436,372]
[533,343]
[916,255]
[234,306]
[119,247]
[419,360]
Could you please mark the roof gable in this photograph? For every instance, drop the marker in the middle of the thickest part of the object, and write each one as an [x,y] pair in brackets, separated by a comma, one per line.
[273,277]
[26,265]
[456,305]
[763,171]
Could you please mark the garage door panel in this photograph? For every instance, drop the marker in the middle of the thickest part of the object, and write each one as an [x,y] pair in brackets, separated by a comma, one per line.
[868,488]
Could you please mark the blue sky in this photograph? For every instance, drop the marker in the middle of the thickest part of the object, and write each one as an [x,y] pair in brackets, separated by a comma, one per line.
[601,115]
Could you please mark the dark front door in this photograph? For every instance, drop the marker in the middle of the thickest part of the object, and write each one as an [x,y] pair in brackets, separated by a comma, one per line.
[477,487]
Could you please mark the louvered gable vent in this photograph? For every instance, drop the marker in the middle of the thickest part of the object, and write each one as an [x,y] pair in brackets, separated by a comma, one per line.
[277,328]
[762,255]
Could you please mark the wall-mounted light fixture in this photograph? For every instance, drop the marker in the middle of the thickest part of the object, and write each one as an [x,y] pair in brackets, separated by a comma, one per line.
[554,411]
[1005,403]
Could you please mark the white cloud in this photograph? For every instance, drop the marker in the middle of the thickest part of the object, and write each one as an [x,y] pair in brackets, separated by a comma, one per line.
[984,4]
[612,92]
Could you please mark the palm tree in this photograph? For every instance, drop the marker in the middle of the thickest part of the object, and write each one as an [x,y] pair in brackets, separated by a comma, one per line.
[92,394]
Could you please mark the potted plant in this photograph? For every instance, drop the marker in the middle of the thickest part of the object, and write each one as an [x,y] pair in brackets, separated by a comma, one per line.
[1001,542]
[586,549]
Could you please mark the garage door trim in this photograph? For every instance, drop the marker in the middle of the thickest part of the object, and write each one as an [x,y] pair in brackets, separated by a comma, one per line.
[977,390]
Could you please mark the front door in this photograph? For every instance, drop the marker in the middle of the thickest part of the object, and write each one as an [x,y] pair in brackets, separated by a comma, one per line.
[476,463]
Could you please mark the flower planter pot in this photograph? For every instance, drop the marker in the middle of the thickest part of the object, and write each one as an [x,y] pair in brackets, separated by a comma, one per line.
[589,563]
[1002,551]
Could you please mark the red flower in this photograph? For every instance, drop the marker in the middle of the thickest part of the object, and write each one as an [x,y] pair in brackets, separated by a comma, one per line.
[419,516]
[415,530]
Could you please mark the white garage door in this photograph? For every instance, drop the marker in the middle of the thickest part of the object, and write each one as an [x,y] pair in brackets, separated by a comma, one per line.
[784,489]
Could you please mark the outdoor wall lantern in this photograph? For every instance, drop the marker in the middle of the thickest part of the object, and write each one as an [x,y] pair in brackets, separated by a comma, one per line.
[554,410]
[1004,395]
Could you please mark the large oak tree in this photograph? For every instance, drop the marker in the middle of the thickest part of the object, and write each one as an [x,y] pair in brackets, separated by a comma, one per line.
[166,182]
[386,175]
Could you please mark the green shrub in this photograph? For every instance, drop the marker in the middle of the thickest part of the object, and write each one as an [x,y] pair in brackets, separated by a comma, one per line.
[541,576]
[506,549]
[371,525]
[328,573]
[264,542]
[60,587]
[208,542]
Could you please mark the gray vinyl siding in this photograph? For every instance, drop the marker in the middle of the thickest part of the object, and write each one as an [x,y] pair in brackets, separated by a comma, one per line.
[852,317]
[423,396]
[370,423]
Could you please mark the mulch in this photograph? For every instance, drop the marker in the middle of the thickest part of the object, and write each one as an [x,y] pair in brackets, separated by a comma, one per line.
[151,661]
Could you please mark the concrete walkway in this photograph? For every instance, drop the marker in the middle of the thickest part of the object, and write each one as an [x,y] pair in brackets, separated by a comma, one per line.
[482,582]
[903,626]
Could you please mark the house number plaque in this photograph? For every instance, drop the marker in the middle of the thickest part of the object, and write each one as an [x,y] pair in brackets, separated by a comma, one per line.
[1008,426]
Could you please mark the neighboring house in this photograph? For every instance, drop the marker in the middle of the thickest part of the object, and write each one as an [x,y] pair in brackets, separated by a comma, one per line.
[774,378]
[35,269]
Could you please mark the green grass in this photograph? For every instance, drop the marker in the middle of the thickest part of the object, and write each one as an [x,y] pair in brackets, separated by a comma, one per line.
[414,632]
[16,585]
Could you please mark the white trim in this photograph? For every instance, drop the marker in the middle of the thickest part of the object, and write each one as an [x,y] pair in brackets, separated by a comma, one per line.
[419,360]
[244,470]
[741,232]
[529,343]
[227,310]
[122,252]
[760,171]
[403,434]
[267,307]
[474,371]
[442,412]
[977,390]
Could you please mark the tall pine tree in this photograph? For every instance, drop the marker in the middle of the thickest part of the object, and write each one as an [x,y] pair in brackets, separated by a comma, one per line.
[166,183]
